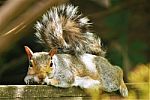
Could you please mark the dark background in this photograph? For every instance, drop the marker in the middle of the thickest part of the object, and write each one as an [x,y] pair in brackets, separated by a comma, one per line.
[123,25]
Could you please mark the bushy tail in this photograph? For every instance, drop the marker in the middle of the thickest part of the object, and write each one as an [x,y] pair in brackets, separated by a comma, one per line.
[64,27]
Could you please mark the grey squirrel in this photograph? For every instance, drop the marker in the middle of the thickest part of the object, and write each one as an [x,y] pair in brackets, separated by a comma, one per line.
[62,27]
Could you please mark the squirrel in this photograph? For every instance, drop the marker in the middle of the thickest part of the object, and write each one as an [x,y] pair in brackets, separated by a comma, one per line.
[62,27]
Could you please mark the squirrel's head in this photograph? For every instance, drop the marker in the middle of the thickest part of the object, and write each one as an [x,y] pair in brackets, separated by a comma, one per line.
[40,64]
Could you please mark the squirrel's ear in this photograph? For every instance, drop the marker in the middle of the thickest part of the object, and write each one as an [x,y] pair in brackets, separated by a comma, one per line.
[28,51]
[52,52]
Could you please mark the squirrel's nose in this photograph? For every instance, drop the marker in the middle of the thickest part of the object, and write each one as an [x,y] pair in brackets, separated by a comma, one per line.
[41,77]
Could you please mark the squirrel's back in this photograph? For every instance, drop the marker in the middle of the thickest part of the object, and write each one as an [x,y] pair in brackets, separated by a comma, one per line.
[64,27]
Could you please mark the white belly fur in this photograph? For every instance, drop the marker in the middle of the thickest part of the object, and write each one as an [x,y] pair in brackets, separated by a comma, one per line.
[87,59]
[85,82]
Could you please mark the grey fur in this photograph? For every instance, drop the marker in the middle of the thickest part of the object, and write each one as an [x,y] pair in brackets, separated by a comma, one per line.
[64,27]
[70,70]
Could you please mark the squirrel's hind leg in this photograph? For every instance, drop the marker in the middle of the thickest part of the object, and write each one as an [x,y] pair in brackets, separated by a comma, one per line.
[123,89]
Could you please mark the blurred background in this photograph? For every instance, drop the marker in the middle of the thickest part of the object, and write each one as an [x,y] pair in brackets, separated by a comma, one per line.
[123,25]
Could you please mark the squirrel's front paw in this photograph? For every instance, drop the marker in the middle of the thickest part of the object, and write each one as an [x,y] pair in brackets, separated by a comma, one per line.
[29,80]
[54,82]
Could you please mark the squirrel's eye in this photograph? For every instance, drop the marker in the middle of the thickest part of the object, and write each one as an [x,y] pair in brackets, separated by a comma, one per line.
[51,64]
[30,63]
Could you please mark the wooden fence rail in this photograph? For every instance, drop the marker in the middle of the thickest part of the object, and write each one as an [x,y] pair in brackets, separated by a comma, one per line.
[43,92]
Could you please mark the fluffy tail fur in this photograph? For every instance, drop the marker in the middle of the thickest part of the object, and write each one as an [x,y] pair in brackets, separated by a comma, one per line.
[64,27]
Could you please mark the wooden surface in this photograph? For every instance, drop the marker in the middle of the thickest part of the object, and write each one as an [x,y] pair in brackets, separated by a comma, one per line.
[40,92]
